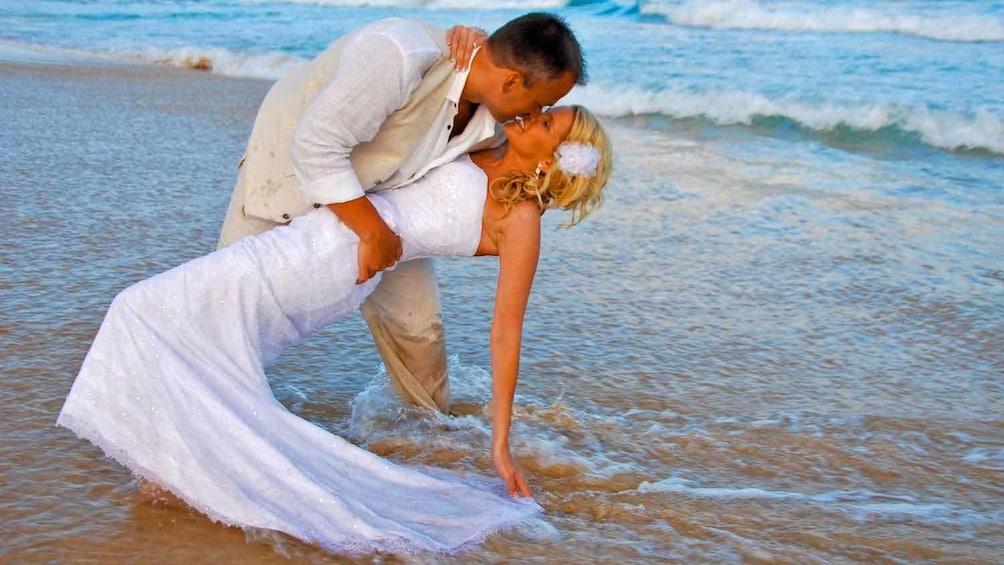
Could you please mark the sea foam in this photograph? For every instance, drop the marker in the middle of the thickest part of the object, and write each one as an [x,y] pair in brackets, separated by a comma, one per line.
[749,14]
[267,65]
[981,129]
[860,504]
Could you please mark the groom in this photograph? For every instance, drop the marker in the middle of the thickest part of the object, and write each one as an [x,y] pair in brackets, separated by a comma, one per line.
[374,111]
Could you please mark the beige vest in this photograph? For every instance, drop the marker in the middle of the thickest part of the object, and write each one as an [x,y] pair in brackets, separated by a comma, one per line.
[271,190]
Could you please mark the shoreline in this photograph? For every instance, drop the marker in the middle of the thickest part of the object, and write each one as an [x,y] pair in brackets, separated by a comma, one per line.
[13,56]
[891,140]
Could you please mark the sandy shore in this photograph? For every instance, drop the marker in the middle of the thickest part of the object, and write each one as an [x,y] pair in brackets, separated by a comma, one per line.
[92,154]
[121,131]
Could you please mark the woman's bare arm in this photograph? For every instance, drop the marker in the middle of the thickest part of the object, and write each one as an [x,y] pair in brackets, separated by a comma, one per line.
[519,249]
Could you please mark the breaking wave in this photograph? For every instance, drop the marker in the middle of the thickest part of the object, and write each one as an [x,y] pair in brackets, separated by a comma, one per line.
[978,130]
[750,14]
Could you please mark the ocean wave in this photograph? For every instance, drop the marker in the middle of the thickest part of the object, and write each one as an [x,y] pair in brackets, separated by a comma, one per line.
[750,14]
[527,5]
[268,65]
[978,130]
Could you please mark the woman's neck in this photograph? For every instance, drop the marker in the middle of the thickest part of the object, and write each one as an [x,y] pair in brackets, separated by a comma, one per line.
[491,161]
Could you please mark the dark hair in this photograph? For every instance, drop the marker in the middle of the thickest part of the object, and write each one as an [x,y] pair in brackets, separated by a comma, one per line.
[540,46]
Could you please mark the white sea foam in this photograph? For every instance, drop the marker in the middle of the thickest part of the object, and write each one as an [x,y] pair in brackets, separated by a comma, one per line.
[986,457]
[379,415]
[981,129]
[687,487]
[269,65]
[750,14]
[19,51]
[861,504]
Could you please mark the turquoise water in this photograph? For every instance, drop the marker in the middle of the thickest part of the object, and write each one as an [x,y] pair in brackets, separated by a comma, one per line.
[887,74]
[780,340]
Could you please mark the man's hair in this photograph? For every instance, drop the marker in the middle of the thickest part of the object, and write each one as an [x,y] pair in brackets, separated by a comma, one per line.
[540,46]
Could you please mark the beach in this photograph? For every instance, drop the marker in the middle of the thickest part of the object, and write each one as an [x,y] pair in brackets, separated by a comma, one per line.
[771,344]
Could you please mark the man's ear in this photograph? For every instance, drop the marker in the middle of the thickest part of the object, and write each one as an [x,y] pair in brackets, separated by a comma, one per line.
[512,80]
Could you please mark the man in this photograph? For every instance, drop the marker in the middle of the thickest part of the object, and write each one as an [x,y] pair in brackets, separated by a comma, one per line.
[374,111]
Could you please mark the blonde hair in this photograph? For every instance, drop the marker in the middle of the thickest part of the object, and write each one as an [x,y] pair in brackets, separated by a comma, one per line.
[556,189]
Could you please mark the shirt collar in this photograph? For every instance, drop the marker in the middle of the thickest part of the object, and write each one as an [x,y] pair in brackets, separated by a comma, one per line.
[457,88]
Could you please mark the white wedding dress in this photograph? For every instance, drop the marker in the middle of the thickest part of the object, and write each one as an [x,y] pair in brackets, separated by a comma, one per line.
[174,386]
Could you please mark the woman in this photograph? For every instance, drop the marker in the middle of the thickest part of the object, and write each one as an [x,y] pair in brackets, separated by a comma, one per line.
[174,387]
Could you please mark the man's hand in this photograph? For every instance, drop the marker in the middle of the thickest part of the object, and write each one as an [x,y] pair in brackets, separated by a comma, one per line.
[462,40]
[378,252]
[379,247]
[510,473]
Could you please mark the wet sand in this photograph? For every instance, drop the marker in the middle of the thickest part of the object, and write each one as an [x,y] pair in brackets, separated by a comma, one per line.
[102,163]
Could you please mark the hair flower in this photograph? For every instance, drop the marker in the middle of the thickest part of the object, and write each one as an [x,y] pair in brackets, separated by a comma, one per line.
[578,159]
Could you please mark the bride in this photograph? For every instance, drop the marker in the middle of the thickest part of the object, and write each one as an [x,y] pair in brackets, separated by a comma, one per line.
[174,386]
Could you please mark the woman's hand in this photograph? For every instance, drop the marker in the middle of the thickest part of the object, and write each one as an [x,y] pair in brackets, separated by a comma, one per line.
[462,40]
[510,473]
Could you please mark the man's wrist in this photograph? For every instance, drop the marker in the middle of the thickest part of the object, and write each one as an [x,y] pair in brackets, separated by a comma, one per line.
[362,218]
[375,232]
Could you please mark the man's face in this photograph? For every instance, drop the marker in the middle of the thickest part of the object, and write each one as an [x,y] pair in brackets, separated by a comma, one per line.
[513,98]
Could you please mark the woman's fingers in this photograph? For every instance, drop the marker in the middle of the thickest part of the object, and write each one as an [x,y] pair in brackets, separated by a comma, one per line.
[451,37]
[462,41]
[524,489]
[460,46]
[515,482]
[506,468]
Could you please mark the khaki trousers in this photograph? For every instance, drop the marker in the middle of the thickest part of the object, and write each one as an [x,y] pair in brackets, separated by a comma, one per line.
[403,314]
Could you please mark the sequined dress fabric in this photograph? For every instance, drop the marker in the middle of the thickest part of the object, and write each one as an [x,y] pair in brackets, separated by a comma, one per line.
[174,386]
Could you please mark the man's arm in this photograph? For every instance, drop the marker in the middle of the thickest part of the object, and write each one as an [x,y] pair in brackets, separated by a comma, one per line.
[379,247]
[377,74]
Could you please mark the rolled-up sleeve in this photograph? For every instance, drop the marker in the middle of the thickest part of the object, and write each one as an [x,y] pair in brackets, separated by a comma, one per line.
[377,74]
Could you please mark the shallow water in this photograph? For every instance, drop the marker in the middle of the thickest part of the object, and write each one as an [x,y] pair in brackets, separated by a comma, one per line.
[769,346]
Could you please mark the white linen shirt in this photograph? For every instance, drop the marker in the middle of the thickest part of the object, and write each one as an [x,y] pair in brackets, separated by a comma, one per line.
[378,71]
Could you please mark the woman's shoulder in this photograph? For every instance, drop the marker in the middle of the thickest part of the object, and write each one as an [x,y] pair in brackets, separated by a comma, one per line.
[526,211]
[523,218]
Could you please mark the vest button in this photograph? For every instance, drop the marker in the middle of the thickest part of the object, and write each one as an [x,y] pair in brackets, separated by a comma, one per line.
[285,216]
[316,205]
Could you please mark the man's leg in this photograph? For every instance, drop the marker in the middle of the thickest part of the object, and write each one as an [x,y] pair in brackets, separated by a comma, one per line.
[236,225]
[404,315]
